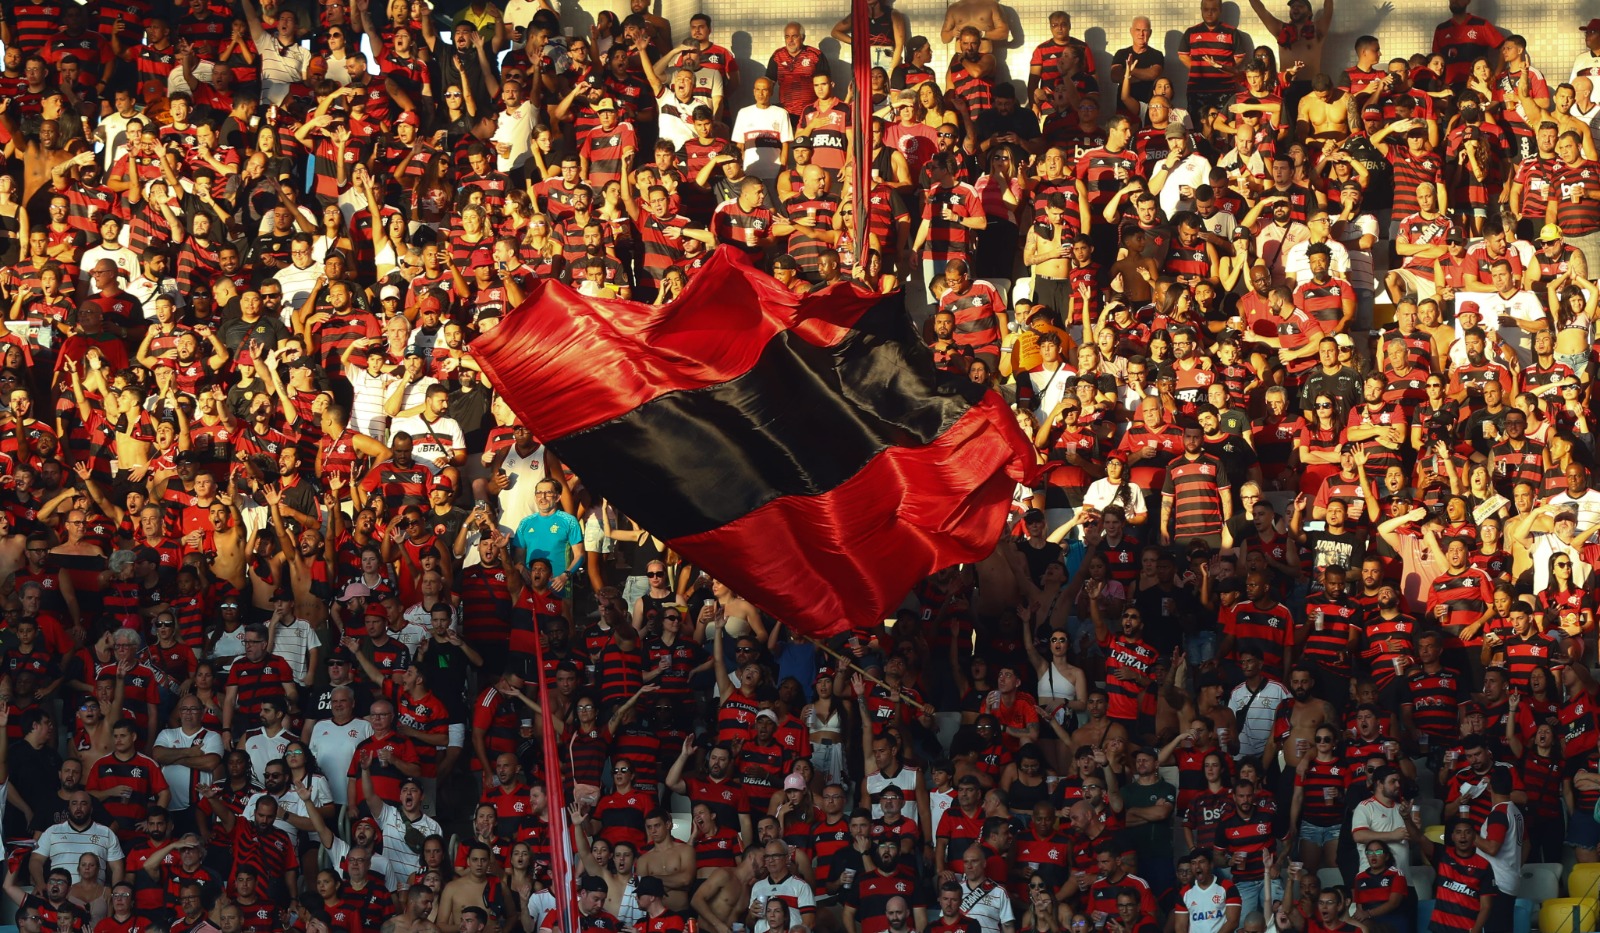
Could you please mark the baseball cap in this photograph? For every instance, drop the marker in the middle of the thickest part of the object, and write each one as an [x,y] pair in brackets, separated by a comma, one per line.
[1376,112]
[389,291]
[340,655]
[647,885]
[147,554]
[598,885]
[408,118]
[443,482]
[802,142]
[355,589]
[1033,515]
[794,782]
[415,351]
[604,103]
[281,594]
[1549,233]
[1343,340]
[767,714]
[1175,131]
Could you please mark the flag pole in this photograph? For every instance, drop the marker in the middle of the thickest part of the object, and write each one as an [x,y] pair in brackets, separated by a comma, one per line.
[562,878]
[861,122]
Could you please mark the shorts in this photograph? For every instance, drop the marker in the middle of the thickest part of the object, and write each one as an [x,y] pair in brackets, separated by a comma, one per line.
[1582,831]
[1578,362]
[1420,287]
[458,735]
[1318,835]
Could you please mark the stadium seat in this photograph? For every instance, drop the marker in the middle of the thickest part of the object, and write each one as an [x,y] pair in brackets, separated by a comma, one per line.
[1330,877]
[1421,878]
[950,723]
[1584,880]
[1554,869]
[1424,913]
[1432,811]
[1537,886]
[1567,915]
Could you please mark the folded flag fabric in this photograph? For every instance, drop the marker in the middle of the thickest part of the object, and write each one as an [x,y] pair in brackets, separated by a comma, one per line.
[804,450]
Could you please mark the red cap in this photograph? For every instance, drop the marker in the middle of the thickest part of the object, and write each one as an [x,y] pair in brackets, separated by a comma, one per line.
[1592,26]
[408,118]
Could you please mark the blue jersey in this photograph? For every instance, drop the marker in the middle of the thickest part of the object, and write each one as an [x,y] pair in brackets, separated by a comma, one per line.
[548,536]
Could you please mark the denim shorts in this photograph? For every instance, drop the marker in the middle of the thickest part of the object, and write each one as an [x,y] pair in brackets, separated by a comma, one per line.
[1318,835]
[1582,831]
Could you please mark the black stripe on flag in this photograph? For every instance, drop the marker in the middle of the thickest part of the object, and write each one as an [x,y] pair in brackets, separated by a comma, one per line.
[800,422]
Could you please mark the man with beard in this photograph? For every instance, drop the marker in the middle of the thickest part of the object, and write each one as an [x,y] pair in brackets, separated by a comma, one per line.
[1326,641]
[1299,718]
[1129,660]
[719,789]
[60,845]
[1194,506]
[1461,40]
[890,877]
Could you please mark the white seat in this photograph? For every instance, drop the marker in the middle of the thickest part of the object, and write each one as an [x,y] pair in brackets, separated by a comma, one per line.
[1538,886]
[1330,877]
[682,826]
[1555,870]
[1421,878]
[949,724]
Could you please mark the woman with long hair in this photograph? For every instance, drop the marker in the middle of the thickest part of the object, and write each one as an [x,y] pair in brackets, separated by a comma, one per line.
[1047,914]
[1541,766]
[1318,804]
[521,882]
[90,891]
[1491,556]
[1000,192]
[1026,781]
[1319,449]
[332,234]
[828,721]
[207,691]
[1061,687]
[1380,892]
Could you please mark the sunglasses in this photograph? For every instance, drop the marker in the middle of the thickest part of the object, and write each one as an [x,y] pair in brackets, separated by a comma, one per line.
[655,573]
[1324,405]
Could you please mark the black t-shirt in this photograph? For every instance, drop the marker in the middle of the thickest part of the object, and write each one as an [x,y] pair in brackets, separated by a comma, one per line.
[1141,91]
[444,669]
[35,774]
[1039,558]
[1346,550]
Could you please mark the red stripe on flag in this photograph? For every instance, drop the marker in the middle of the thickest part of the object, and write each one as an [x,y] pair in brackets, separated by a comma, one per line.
[861,53]
[562,878]
[854,552]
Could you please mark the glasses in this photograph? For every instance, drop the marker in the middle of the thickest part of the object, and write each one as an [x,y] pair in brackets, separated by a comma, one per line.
[1322,405]
[1347,350]
[254,641]
[163,625]
[294,753]
[655,573]
[1324,740]
[947,136]
[1435,385]
[452,94]
[1057,640]
[622,770]
[275,775]
[1563,564]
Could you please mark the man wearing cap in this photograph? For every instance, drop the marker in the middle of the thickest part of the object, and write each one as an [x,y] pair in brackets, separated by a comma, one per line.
[405,825]
[608,150]
[1180,173]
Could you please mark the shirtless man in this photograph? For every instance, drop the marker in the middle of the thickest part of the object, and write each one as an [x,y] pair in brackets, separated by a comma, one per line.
[619,872]
[299,553]
[1300,40]
[668,859]
[1135,270]
[228,538]
[76,545]
[413,917]
[1430,322]
[469,890]
[724,896]
[1323,114]
[12,545]
[1047,253]
[986,16]
[1002,579]
[1305,713]
[41,156]
[1099,727]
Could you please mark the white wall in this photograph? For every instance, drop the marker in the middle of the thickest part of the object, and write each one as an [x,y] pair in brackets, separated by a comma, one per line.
[754,28]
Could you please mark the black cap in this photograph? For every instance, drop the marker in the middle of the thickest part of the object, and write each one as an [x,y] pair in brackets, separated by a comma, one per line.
[340,655]
[802,142]
[148,555]
[1033,515]
[597,885]
[648,885]
[283,594]
[1207,680]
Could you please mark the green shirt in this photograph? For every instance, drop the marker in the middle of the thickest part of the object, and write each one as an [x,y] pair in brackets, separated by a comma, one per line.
[1151,840]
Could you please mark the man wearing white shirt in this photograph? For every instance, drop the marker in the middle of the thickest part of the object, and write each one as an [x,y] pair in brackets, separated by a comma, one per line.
[762,131]
[1579,496]
[1296,265]
[188,754]
[1513,312]
[436,438]
[513,132]
[1178,175]
[334,740]
[283,59]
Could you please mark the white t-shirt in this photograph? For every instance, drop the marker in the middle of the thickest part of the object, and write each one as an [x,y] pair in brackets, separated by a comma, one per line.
[63,846]
[1374,815]
[1192,171]
[1297,264]
[431,440]
[182,779]
[263,748]
[403,862]
[762,131]
[122,257]
[335,747]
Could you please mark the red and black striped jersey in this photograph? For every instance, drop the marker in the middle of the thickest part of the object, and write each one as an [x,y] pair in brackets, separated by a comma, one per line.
[1435,700]
[1217,42]
[1459,886]
[1195,485]
[1135,656]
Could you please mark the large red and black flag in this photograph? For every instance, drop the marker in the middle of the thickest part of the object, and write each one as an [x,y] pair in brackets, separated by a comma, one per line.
[804,450]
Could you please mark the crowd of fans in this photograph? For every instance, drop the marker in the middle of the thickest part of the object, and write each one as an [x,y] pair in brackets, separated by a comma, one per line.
[1304,596]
